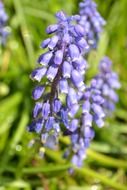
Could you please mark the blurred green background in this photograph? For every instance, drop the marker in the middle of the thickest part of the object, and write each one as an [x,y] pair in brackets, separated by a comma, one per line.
[20,166]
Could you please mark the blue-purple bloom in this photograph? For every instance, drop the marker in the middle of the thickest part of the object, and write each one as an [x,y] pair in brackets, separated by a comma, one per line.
[60,74]
[64,103]
[107,83]
[3,20]
[91,112]
[91,21]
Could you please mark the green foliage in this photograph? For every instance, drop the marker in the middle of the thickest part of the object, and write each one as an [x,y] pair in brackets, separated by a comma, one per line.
[20,166]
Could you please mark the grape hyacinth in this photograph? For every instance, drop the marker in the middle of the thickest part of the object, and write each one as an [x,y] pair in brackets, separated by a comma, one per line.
[60,73]
[91,21]
[3,29]
[64,103]
[107,83]
[91,113]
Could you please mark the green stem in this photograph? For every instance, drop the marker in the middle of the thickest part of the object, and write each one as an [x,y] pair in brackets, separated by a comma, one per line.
[106,160]
[48,169]
[84,172]
[102,178]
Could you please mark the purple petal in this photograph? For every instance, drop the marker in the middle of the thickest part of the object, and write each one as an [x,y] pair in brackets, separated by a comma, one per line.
[73,125]
[61,15]
[99,121]
[45,58]
[37,92]
[66,70]
[52,28]
[66,38]
[86,107]
[53,42]
[46,110]
[44,137]
[38,74]
[73,110]
[37,109]
[49,123]
[82,43]
[45,43]
[79,30]
[72,96]
[74,52]
[51,73]
[58,57]
[64,116]
[87,120]
[56,105]
[63,85]
[39,125]
[97,109]
[77,79]
[88,132]
[51,142]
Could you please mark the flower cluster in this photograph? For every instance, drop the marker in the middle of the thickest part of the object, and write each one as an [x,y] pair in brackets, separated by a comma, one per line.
[91,113]
[61,76]
[3,20]
[64,103]
[107,83]
[91,21]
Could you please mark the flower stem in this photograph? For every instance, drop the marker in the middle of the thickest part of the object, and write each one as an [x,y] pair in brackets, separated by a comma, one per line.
[106,160]
[84,172]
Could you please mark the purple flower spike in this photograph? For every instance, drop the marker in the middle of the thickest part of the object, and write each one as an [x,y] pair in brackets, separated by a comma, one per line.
[91,21]
[62,70]
[65,103]
[107,83]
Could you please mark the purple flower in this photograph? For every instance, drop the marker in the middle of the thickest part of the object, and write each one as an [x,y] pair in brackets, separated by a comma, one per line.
[37,92]
[65,104]
[91,21]
[91,112]
[3,29]
[60,74]
[107,83]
